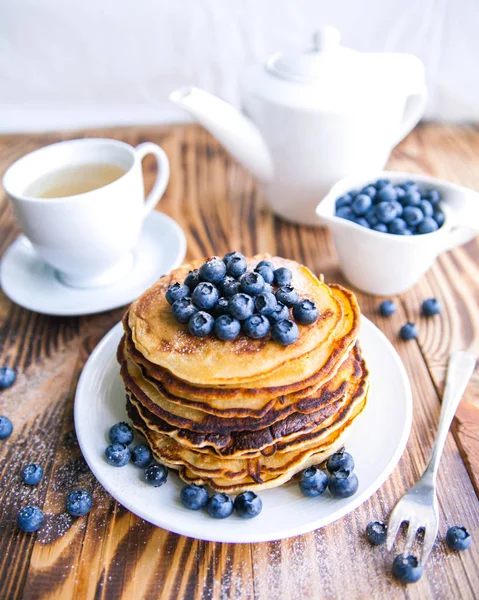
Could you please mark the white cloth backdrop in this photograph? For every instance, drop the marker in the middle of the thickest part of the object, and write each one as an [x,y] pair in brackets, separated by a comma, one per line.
[75,63]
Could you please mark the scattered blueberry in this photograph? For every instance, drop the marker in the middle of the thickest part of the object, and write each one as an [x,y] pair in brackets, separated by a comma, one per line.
[340,461]
[192,279]
[386,194]
[6,427]
[121,433]
[381,227]
[7,377]
[201,324]
[361,204]
[220,308]
[183,309]
[282,276]
[431,307]
[205,295]
[30,518]
[407,568]
[265,303]
[156,475]
[141,456]
[227,328]
[428,225]
[265,263]
[280,313]
[305,312]
[313,481]
[287,295]
[248,505]
[79,503]
[386,211]
[257,326]
[458,538]
[117,455]
[387,308]
[344,201]
[219,506]
[231,287]
[194,496]
[343,484]
[411,198]
[408,331]
[177,291]
[376,533]
[32,474]
[212,271]
[266,273]
[241,306]
[252,283]
[236,266]
[285,332]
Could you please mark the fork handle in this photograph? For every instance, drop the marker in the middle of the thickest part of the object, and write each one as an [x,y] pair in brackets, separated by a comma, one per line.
[459,371]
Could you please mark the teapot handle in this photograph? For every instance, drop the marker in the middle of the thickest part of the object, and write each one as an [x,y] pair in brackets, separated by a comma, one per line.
[413,111]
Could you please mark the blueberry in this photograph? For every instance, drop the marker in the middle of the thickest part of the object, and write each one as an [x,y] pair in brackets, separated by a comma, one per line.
[7,377]
[194,496]
[340,461]
[205,295]
[407,568]
[345,212]
[241,306]
[380,183]
[201,324]
[433,196]
[282,276]
[141,456]
[431,307]
[30,518]
[412,198]
[252,283]
[285,332]
[79,503]
[177,291]
[362,222]
[361,204]
[403,232]
[428,225]
[236,266]
[439,217]
[353,193]
[426,207]
[369,190]
[156,475]
[265,303]
[409,185]
[266,273]
[400,193]
[376,533]
[386,212]
[343,484]
[413,215]
[32,474]
[268,288]
[305,312]
[399,208]
[183,309]
[381,227]
[248,505]
[192,279]
[386,194]
[213,270]
[231,287]
[227,328]
[408,331]
[220,308]
[458,538]
[117,455]
[219,506]
[397,226]
[287,295]
[280,313]
[230,255]
[256,326]
[343,201]
[313,481]
[121,433]
[371,216]
[387,308]
[265,263]
[6,427]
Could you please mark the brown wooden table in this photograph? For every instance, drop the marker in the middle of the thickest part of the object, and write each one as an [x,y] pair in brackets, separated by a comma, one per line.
[113,554]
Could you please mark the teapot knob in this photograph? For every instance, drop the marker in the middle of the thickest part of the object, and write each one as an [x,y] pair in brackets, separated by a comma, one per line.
[326,38]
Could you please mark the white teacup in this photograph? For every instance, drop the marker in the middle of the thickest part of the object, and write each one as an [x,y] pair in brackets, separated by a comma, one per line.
[87,238]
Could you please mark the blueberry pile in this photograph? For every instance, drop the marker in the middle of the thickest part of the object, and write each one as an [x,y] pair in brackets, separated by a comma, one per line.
[342,482]
[219,505]
[401,209]
[223,298]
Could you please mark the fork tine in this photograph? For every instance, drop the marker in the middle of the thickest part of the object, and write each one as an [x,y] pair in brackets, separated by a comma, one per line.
[394,524]
[412,528]
[430,535]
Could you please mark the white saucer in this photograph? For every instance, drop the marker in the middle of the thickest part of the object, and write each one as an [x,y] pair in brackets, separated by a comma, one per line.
[31,283]
[377,441]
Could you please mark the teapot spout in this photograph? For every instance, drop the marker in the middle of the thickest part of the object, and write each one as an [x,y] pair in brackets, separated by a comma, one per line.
[237,133]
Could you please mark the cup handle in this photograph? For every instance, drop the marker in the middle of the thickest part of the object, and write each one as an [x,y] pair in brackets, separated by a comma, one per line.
[162,177]
[459,235]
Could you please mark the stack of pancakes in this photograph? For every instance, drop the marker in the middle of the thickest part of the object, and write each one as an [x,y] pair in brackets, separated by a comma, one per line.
[244,414]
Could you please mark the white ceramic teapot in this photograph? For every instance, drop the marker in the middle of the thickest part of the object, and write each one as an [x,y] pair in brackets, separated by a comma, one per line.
[314,117]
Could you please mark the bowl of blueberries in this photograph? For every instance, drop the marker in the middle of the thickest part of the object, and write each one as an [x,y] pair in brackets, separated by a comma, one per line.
[389,229]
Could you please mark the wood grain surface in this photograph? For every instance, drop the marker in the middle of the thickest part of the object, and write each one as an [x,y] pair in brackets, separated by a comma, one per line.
[113,554]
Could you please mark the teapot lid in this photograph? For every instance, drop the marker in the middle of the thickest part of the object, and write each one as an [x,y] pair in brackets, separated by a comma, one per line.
[326,59]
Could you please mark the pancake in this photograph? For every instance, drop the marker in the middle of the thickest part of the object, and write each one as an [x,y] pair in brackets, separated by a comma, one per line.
[209,361]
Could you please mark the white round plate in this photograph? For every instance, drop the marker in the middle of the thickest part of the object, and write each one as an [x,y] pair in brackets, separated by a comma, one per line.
[30,282]
[377,441]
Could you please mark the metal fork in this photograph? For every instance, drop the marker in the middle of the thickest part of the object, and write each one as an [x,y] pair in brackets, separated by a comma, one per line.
[419,507]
